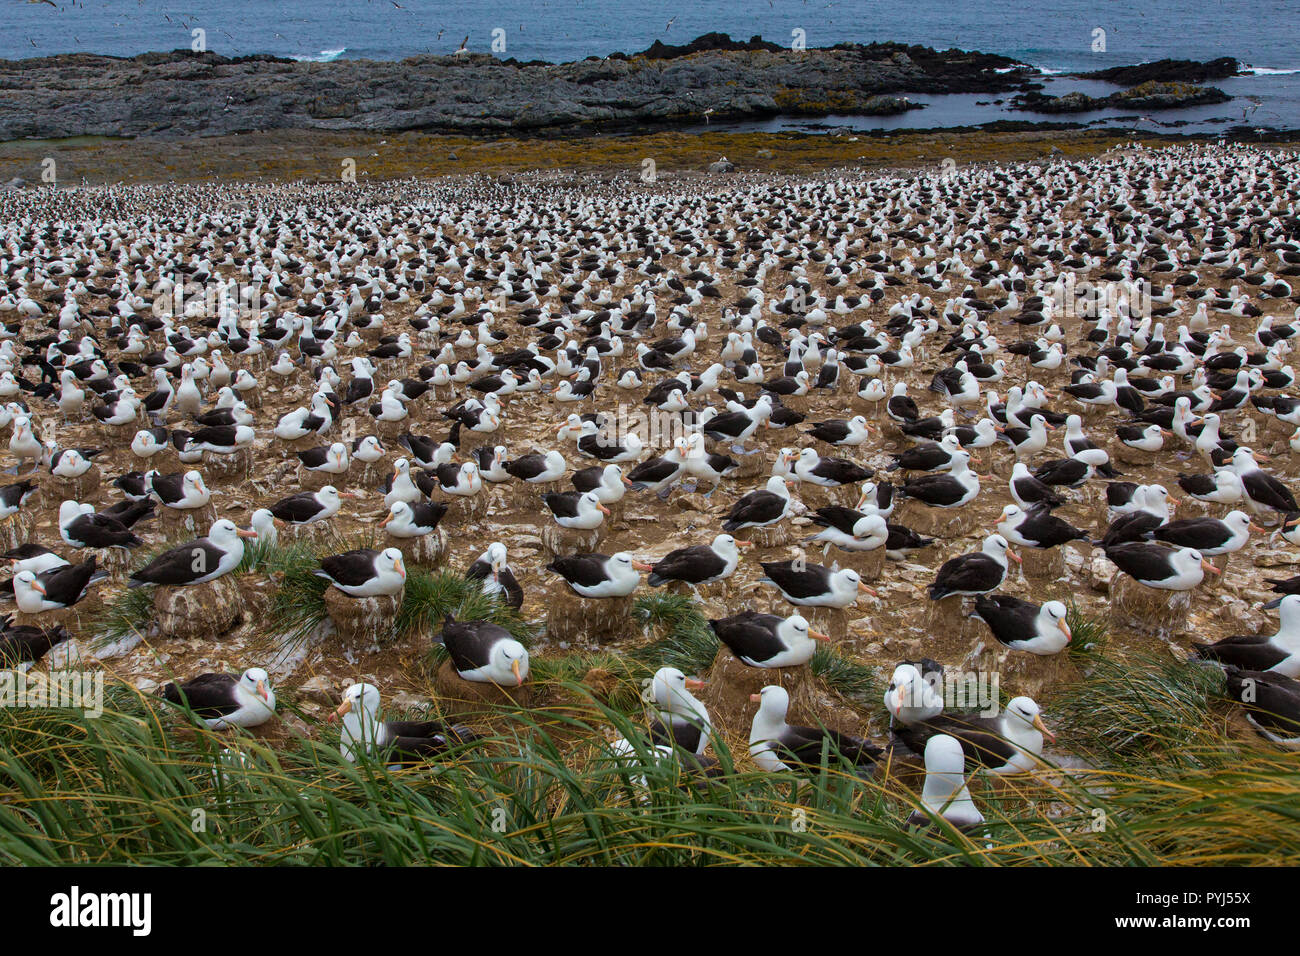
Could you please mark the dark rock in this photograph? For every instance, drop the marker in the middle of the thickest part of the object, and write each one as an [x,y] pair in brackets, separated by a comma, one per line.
[1168,71]
[709,41]
[1147,96]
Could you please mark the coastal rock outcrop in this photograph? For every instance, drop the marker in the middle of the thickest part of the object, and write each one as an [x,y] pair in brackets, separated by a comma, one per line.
[1147,96]
[182,94]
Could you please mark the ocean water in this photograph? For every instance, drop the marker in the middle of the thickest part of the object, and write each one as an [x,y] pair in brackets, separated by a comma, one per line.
[1054,35]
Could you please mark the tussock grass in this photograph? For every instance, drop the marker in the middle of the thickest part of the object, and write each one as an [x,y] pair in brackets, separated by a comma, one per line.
[126,788]
[1088,632]
[431,596]
[1161,782]
[1148,712]
[849,678]
[127,614]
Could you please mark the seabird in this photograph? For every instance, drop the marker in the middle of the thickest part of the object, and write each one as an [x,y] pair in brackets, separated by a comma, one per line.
[681,720]
[814,585]
[1028,491]
[1156,566]
[1009,743]
[599,575]
[1278,653]
[766,640]
[912,695]
[944,795]
[22,643]
[1024,626]
[493,569]
[976,573]
[198,561]
[700,563]
[1036,527]
[484,652]
[776,745]
[58,588]
[365,572]
[224,700]
[760,508]
[581,512]
[950,489]
[413,520]
[1272,703]
[308,507]
[1210,536]
[393,741]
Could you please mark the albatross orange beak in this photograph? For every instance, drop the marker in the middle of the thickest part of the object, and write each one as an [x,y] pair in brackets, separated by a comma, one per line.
[245,533]
[261,691]
[1065,629]
[1014,557]
[514,667]
[862,586]
[693,683]
[755,698]
[603,508]
[744,544]
[1209,567]
[642,566]
[818,635]
[343,710]
[1038,722]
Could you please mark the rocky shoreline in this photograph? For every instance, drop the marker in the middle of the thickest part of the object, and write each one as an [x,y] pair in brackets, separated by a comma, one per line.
[182,94]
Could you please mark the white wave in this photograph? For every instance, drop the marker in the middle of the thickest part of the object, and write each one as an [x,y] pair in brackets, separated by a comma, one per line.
[1029,66]
[324,56]
[1267,71]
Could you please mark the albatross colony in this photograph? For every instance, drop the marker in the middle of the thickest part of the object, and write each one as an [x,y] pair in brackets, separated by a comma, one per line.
[519,377]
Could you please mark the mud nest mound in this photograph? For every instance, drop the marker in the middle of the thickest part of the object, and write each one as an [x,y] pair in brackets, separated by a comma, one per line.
[361,623]
[476,702]
[574,619]
[205,611]
[1154,612]
[181,524]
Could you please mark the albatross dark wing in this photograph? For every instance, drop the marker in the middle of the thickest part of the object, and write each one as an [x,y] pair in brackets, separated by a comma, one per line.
[209,695]
[351,568]
[177,565]
[584,570]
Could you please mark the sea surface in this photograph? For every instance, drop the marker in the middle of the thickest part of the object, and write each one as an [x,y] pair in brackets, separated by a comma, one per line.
[1056,36]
